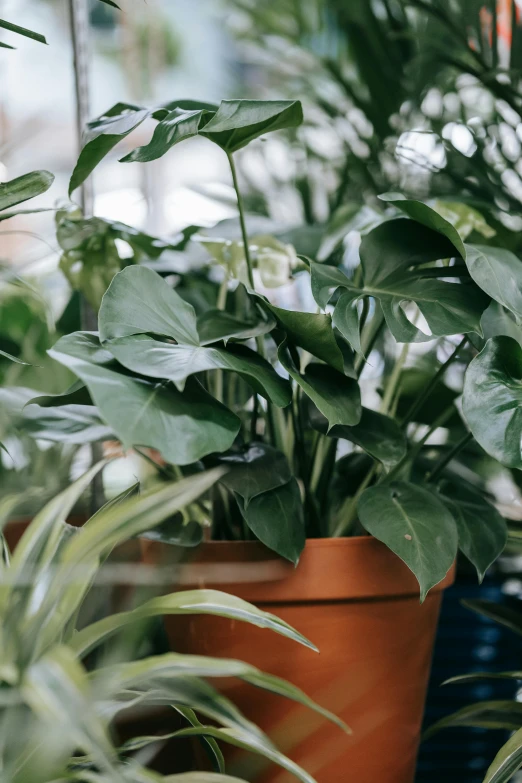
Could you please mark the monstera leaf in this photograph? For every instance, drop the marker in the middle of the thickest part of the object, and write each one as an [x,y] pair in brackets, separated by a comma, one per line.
[391,259]
[183,427]
[492,399]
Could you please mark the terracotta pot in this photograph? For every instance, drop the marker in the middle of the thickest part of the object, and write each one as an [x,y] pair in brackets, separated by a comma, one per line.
[360,605]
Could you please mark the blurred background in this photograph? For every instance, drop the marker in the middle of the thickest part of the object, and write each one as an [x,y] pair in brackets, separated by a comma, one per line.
[417,96]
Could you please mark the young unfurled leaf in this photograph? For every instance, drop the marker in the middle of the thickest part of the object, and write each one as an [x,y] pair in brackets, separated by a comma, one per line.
[414,524]
[24,188]
[492,400]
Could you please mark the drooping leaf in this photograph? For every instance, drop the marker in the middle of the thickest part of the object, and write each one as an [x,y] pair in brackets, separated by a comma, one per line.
[335,395]
[209,743]
[15,28]
[238,122]
[257,468]
[177,126]
[507,761]
[102,135]
[505,615]
[183,427]
[216,325]
[276,518]
[496,320]
[485,715]
[415,525]
[482,531]
[492,400]
[155,359]
[139,301]
[23,188]
[498,272]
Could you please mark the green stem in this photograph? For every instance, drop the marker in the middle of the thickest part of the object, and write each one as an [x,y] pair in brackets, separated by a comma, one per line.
[395,376]
[421,399]
[371,333]
[351,513]
[414,451]
[452,453]
[242,220]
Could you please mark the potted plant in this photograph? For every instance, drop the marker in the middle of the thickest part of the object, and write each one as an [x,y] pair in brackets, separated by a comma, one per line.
[66,682]
[328,432]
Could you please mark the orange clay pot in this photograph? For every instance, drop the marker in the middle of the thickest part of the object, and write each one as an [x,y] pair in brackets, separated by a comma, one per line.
[360,605]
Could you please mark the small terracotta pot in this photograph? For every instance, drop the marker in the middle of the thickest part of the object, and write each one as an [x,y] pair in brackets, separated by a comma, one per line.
[360,605]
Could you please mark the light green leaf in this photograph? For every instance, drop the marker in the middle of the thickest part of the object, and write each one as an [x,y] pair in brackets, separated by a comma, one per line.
[335,395]
[23,188]
[464,218]
[139,301]
[183,427]
[102,135]
[155,359]
[507,761]
[492,400]
[414,524]
[238,122]
[498,272]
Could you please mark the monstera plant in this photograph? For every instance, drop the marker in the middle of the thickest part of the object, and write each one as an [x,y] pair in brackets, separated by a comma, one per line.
[327,419]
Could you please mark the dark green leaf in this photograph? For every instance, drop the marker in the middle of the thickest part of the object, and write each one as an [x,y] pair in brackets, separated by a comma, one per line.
[505,615]
[111,2]
[482,531]
[276,519]
[215,325]
[183,427]
[485,715]
[492,400]
[258,468]
[498,272]
[335,395]
[414,524]
[379,435]
[155,359]
[238,122]
[102,135]
[14,28]
[176,127]
[24,188]
[139,301]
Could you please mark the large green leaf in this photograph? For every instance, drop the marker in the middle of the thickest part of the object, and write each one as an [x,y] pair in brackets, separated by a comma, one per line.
[155,359]
[177,126]
[238,122]
[276,518]
[255,469]
[24,188]
[102,135]
[183,427]
[492,399]
[217,325]
[336,396]
[414,524]
[212,602]
[391,255]
[498,272]
[507,761]
[485,715]
[139,301]
[482,531]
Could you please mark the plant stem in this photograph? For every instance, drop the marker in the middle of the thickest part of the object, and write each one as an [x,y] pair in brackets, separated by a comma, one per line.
[395,376]
[372,333]
[351,514]
[452,453]
[242,220]
[421,399]
[410,456]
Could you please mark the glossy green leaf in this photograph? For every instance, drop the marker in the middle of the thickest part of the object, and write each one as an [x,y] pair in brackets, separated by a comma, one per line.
[485,715]
[102,135]
[64,424]
[414,524]
[183,427]
[155,359]
[212,602]
[217,325]
[492,400]
[238,122]
[276,518]
[23,188]
[139,301]
[15,28]
[507,761]
[336,396]
[496,320]
[255,469]
[209,743]
[498,272]
[176,127]
[482,531]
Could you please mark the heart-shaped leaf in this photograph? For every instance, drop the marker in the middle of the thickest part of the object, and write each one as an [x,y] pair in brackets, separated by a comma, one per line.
[482,531]
[183,427]
[276,518]
[139,301]
[258,468]
[238,122]
[414,524]
[23,188]
[145,355]
[492,400]
[498,272]
[379,435]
